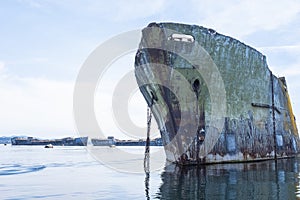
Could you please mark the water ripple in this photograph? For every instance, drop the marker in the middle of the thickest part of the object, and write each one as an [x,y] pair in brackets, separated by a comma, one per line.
[13,169]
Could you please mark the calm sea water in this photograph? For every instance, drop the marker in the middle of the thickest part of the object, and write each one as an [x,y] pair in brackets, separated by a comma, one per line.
[32,172]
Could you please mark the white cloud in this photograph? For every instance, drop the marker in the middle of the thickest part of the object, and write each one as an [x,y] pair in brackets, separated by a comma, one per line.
[36,106]
[134,9]
[283,60]
[33,3]
[117,10]
[2,65]
[108,86]
[293,70]
[240,18]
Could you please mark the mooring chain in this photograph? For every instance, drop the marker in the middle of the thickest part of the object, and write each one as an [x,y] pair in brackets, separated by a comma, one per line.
[149,117]
[147,147]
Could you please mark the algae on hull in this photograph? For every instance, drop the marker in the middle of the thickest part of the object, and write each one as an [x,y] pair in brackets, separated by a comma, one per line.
[195,79]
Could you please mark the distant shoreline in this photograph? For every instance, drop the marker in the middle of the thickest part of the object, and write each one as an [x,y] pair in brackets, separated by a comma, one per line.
[79,141]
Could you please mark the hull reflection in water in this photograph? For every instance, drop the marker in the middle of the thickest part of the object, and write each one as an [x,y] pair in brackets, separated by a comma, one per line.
[260,180]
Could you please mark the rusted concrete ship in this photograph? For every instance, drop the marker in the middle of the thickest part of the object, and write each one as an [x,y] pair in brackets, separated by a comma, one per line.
[214,98]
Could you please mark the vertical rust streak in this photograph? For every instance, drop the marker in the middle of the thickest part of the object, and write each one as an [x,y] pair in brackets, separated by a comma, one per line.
[273,116]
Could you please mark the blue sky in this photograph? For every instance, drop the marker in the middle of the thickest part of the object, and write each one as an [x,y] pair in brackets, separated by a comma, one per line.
[43,44]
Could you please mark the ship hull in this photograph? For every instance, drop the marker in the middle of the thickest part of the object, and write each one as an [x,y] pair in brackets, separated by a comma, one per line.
[214,98]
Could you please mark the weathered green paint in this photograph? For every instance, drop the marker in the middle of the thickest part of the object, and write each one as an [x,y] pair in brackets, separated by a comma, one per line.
[247,133]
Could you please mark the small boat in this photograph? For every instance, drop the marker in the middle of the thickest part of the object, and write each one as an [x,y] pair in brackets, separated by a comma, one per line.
[49,146]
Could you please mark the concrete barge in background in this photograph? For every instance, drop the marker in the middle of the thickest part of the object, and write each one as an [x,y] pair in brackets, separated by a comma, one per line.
[110,141]
[81,141]
[214,98]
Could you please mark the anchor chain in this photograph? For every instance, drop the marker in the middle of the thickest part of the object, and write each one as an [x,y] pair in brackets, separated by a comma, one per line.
[147,147]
